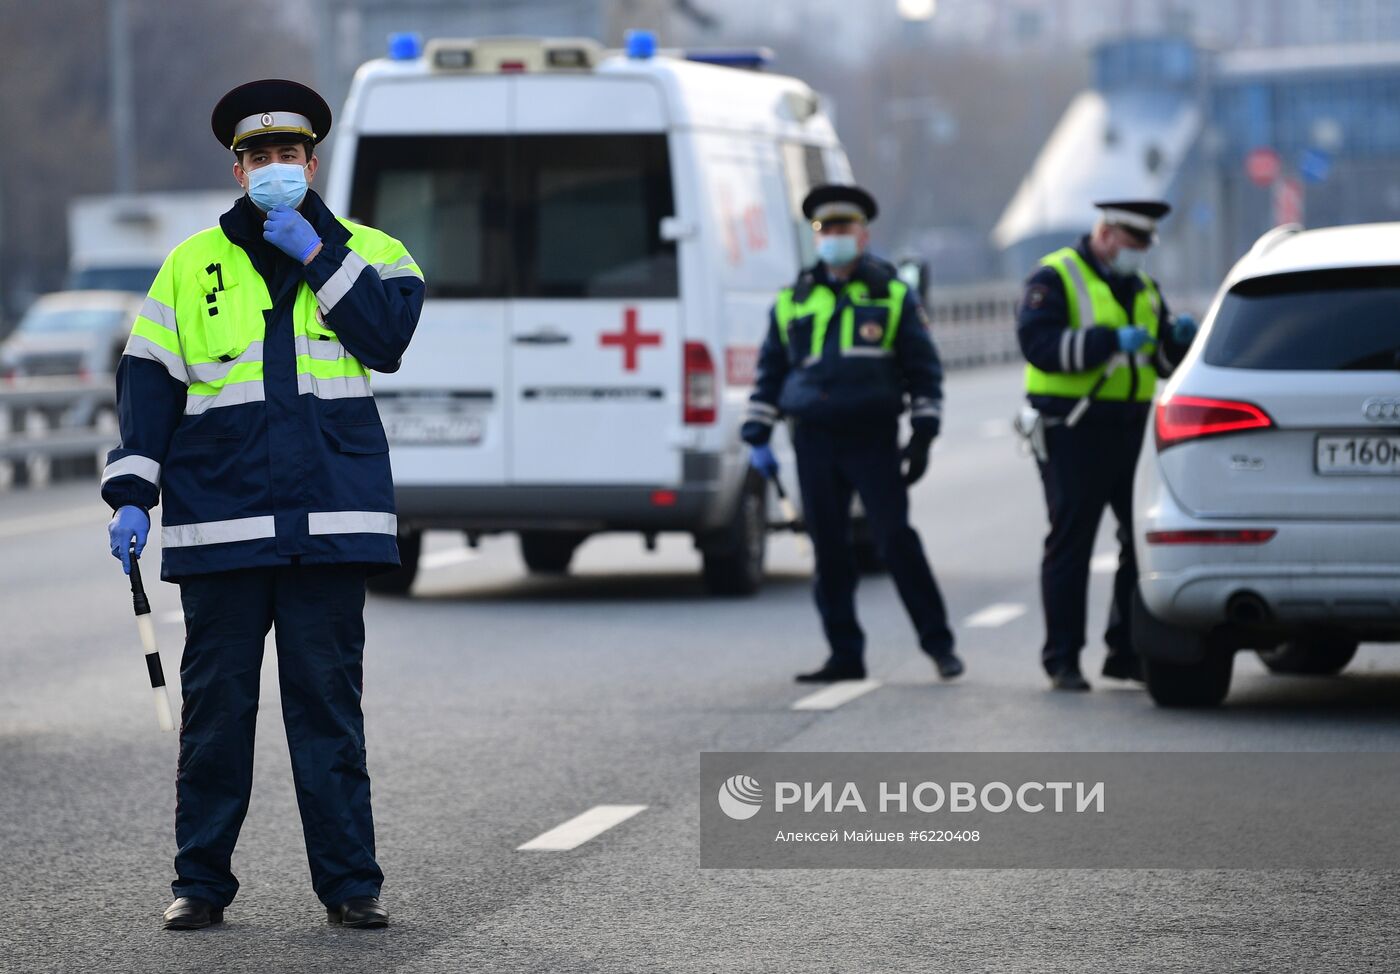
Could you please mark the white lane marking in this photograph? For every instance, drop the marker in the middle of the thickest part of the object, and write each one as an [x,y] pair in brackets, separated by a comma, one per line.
[176,618]
[1104,563]
[829,698]
[997,614]
[579,829]
[442,559]
[49,522]
[994,429]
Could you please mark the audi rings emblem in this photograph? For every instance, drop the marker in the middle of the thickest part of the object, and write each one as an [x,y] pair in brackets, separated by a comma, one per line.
[1381,409]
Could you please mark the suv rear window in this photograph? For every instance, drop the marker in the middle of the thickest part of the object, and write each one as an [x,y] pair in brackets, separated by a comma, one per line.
[1343,319]
[528,216]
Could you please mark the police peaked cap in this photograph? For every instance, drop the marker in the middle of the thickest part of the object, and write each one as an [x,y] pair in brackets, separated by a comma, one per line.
[1138,217]
[270,112]
[835,201]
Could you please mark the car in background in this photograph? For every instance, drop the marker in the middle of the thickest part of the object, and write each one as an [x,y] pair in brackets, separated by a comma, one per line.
[70,333]
[1267,499]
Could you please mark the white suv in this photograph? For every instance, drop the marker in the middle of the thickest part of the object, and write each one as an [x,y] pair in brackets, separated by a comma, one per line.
[1267,500]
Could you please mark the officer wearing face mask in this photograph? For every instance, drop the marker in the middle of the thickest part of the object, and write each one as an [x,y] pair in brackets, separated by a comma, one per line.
[1093,326]
[245,408]
[847,348]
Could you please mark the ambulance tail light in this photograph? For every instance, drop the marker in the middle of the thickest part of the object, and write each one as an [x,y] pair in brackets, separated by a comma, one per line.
[701,389]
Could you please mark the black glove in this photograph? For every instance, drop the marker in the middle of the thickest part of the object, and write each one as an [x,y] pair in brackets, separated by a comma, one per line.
[915,457]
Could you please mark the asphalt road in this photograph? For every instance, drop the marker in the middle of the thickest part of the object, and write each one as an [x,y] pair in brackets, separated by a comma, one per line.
[500,706]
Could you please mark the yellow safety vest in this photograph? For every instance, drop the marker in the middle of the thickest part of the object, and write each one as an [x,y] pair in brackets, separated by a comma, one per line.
[1091,302]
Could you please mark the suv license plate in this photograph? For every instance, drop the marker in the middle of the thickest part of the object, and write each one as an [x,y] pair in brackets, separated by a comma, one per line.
[1342,455]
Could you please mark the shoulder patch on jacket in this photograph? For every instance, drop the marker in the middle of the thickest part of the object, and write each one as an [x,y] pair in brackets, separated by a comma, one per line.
[1035,296]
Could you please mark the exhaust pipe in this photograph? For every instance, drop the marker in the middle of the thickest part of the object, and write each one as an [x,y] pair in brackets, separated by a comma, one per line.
[1246,608]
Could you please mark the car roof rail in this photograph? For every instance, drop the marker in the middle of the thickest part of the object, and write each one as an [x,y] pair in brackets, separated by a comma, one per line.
[1272,238]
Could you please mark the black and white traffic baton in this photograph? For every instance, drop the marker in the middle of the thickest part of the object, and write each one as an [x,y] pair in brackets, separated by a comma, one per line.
[1118,360]
[146,627]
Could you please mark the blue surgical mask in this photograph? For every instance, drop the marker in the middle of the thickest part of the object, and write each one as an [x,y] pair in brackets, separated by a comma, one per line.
[837,249]
[277,184]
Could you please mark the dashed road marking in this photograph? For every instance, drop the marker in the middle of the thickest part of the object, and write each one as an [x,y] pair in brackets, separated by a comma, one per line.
[579,829]
[994,429]
[442,559]
[1104,563]
[997,614]
[829,698]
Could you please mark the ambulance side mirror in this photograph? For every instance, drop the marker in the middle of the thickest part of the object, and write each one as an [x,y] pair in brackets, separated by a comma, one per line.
[673,229]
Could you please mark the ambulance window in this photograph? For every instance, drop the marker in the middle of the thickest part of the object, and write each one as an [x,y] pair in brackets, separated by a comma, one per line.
[588,216]
[805,167]
[442,197]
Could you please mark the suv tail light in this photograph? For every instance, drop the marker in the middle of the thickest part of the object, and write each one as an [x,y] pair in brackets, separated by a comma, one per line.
[1245,536]
[1182,418]
[700,388]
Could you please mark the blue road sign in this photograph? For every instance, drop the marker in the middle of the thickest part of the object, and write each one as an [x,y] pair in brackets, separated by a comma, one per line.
[1314,164]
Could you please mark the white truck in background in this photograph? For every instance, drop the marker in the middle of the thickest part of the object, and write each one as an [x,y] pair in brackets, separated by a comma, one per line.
[118,242]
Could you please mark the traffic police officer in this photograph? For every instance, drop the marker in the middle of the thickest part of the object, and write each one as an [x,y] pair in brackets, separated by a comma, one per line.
[245,406]
[1092,325]
[846,344]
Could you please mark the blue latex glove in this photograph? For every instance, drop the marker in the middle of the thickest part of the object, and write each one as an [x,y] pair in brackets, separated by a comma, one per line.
[128,521]
[1131,338]
[1184,329]
[761,458]
[288,231]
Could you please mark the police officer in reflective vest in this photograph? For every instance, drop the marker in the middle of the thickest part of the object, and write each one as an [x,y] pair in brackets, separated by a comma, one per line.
[847,344]
[1096,334]
[245,408]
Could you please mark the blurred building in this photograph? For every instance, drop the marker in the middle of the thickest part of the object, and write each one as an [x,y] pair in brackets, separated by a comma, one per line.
[1238,142]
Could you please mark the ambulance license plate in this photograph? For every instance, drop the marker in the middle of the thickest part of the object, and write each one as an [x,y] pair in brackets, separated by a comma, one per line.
[1364,455]
[419,426]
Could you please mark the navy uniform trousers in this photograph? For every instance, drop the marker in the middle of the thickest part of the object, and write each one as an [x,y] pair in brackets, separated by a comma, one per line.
[318,612]
[1088,467]
[831,465]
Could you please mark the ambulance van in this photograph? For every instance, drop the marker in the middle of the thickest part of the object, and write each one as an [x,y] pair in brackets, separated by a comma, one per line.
[602,234]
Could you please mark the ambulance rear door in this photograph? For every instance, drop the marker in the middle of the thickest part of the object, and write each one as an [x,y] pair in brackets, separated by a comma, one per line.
[596,347]
[431,169]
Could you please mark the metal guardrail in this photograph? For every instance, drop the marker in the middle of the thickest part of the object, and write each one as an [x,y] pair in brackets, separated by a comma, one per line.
[51,428]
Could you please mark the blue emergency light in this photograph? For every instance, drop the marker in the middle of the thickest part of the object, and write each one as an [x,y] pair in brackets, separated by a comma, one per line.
[640,44]
[405,46]
[754,58]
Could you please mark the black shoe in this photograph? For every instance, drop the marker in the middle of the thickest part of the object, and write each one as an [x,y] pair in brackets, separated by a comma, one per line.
[1122,666]
[833,671]
[360,912]
[948,665]
[188,913]
[1069,680]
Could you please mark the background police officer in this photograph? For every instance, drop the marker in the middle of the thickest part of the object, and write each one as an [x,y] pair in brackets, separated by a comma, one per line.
[846,344]
[245,407]
[1092,323]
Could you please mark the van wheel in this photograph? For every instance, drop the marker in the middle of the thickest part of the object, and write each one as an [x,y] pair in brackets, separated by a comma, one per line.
[1312,654]
[399,580]
[733,561]
[549,552]
[1201,684]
